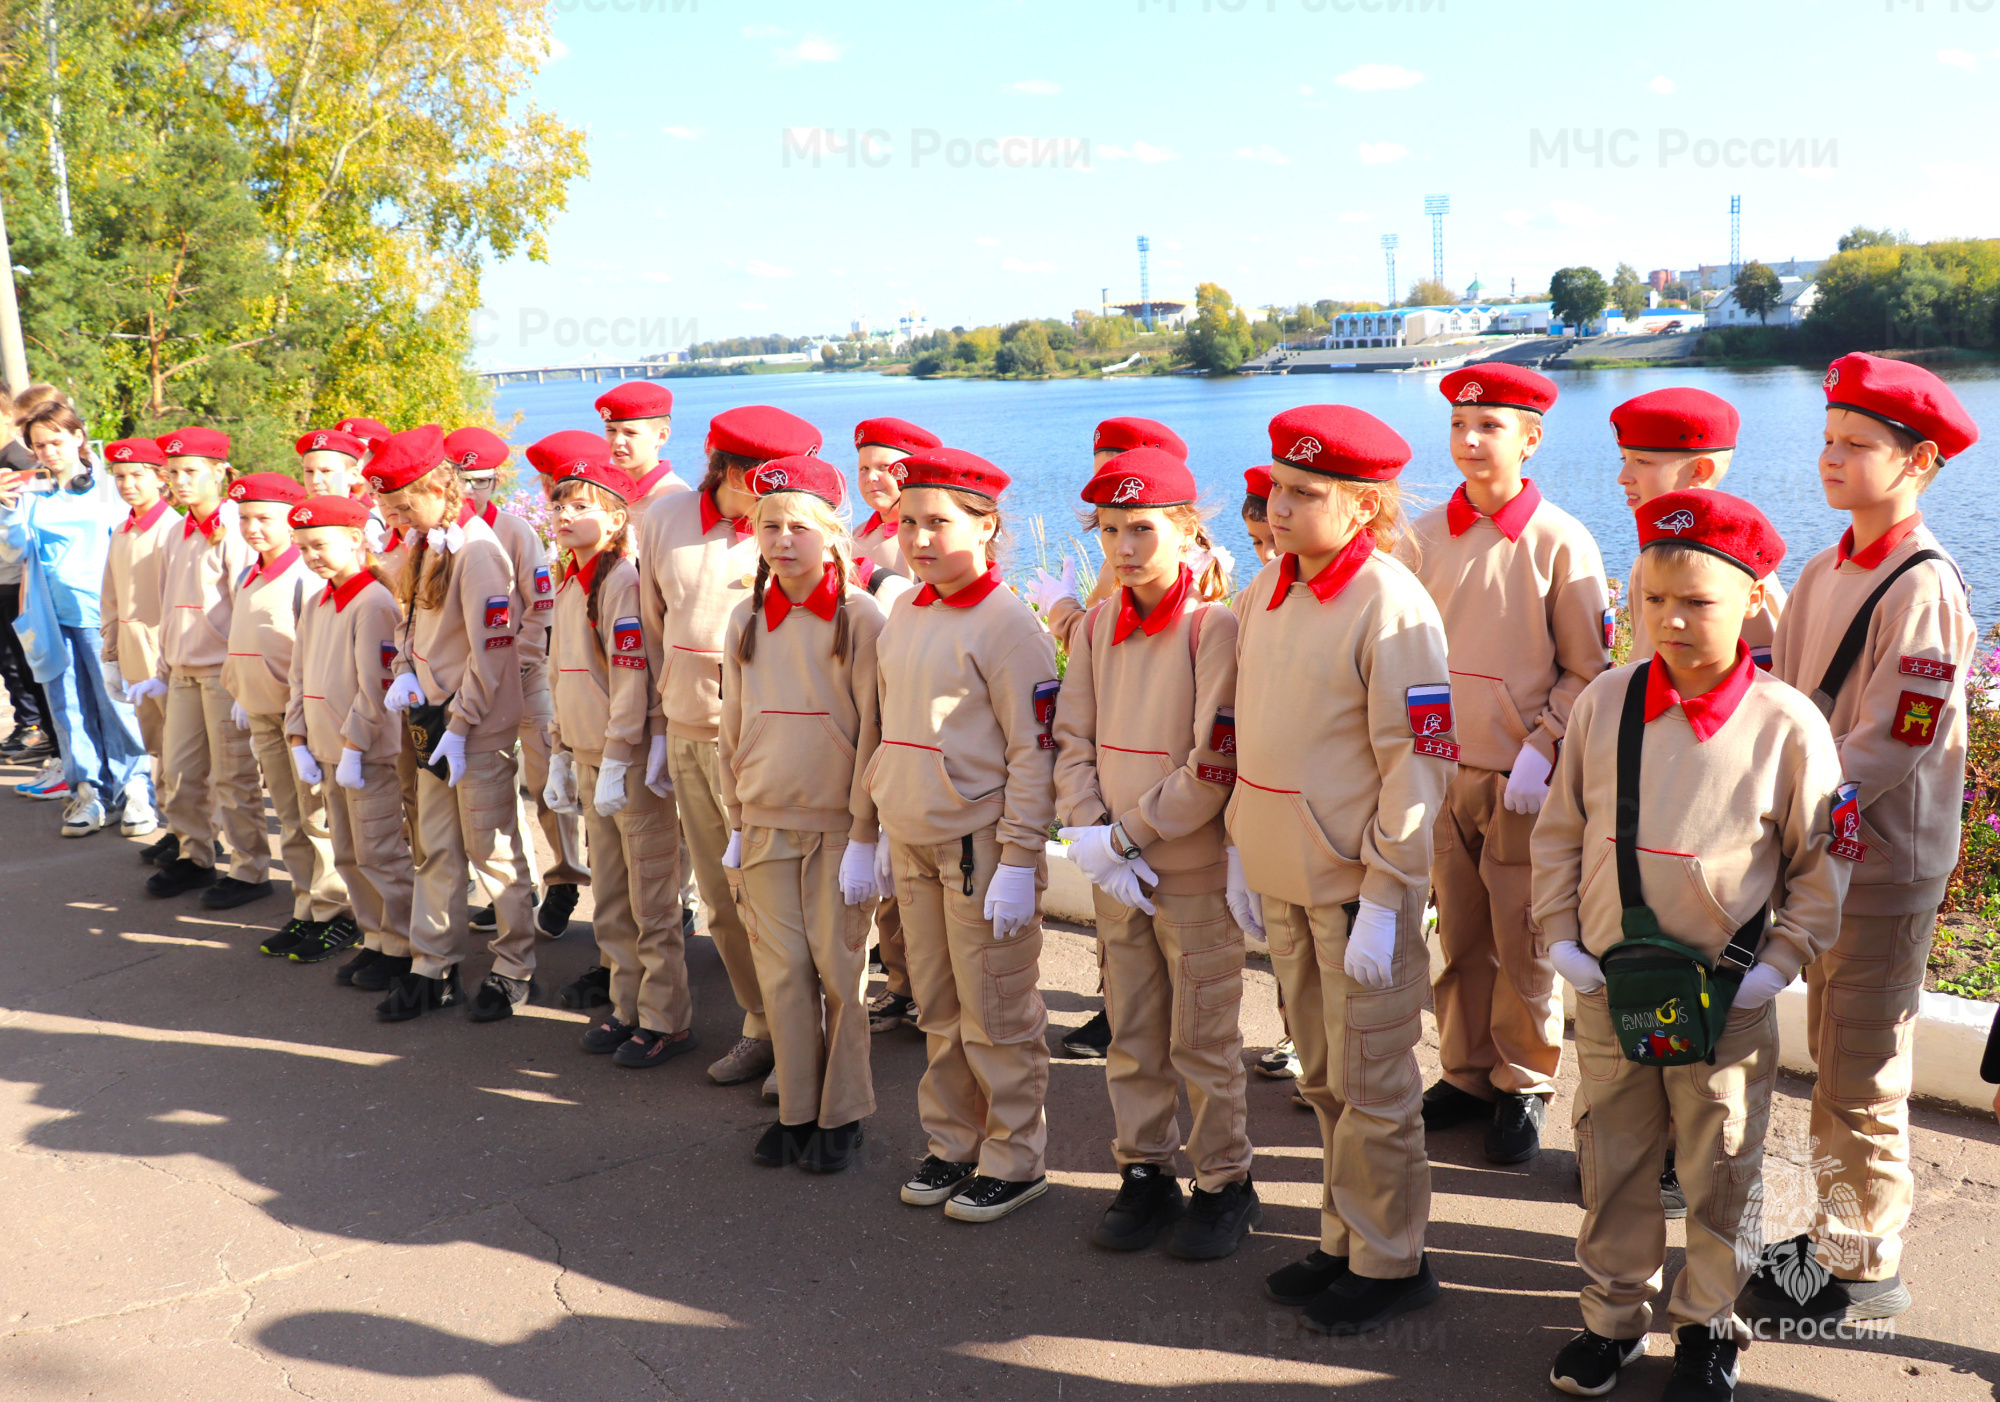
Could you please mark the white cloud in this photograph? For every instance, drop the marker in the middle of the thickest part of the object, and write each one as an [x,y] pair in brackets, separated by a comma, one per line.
[1958,58]
[1037,87]
[1263,154]
[1518,218]
[985,242]
[1662,85]
[1016,265]
[1378,77]
[810,50]
[1380,153]
[754,306]
[1305,89]
[651,276]
[1139,151]
[557,50]
[1174,245]
[1816,172]
[1353,216]
[763,31]
[1572,215]
[757,267]
[1307,261]
[682,133]
[1944,172]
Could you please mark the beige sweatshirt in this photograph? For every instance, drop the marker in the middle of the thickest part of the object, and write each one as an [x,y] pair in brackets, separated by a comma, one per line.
[1146,735]
[799,727]
[876,540]
[134,582]
[198,590]
[262,631]
[1341,766]
[1899,720]
[1725,825]
[691,581]
[1759,630]
[603,682]
[1523,619]
[341,669]
[465,649]
[963,745]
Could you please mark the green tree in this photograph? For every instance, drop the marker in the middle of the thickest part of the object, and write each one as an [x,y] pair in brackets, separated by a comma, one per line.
[928,364]
[1757,290]
[1628,291]
[1429,292]
[1578,296]
[1218,339]
[1861,236]
[1028,353]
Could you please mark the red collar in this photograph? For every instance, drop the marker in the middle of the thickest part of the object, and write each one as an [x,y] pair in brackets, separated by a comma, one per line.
[394,542]
[345,594]
[823,600]
[585,576]
[1705,713]
[1160,619]
[711,517]
[1460,514]
[260,570]
[965,598]
[136,522]
[871,525]
[207,526]
[646,482]
[1868,559]
[1331,580]
[466,513]
[864,570]
[490,514]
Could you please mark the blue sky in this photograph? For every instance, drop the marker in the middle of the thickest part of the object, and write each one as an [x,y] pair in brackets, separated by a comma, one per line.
[1267,145]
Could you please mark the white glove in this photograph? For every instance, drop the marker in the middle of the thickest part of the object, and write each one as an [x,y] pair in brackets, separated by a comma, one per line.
[114,681]
[857,873]
[1045,590]
[1760,986]
[885,869]
[145,690]
[1371,945]
[305,766]
[347,773]
[1242,903]
[1092,849]
[1578,965]
[1010,900]
[404,692]
[451,750]
[559,794]
[239,717]
[1528,785]
[657,778]
[610,796]
[732,855]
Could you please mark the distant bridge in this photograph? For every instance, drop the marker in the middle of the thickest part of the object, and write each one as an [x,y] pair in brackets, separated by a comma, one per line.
[594,371]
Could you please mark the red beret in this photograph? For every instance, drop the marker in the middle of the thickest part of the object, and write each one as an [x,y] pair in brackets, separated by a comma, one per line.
[1678,420]
[762,432]
[1727,527]
[195,443]
[1509,386]
[1903,396]
[599,471]
[550,455]
[135,450]
[402,458]
[798,473]
[267,486]
[899,434]
[1257,481]
[1337,440]
[635,399]
[1141,477]
[329,511]
[1123,435]
[364,429]
[476,449]
[331,440]
[955,468]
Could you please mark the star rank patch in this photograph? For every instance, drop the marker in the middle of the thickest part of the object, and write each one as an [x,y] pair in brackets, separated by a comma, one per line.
[1929,668]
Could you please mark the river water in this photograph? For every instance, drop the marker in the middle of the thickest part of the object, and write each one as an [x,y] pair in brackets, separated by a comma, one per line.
[1039,432]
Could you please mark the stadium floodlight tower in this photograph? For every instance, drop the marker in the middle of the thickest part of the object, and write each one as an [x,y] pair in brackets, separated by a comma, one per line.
[1735,237]
[1437,206]
[1145,283]
[1389,242]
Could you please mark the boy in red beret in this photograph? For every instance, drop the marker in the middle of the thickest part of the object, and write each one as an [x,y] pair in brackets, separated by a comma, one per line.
[1256,507]
[1729,786]
[638,420]
[1521,587]
[134,571]
[1878,633]
[330,462]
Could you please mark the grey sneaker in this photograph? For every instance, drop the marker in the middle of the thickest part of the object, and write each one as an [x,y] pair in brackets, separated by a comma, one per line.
[84,813]
[751,1059]
[138,818]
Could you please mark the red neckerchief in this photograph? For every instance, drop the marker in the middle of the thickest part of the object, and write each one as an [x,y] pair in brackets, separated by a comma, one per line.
[823,600]
[1331,580]
[466,513]
[490,514]
[1512,519]
[585,576]
[711,516]
[1161,618]
[1868,559]
[646,482]
[869,527]
[136,522]
[964,598]
[394,542]
[344,595]
[864,570]
[260,570]
[1707,712]
[207,527]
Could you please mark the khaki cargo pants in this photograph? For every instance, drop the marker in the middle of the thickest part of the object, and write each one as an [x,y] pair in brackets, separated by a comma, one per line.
[366,830]
[563,830]
[212,771]
[318,890]
[476,824]
[695,767]
[637,904]
[889,940]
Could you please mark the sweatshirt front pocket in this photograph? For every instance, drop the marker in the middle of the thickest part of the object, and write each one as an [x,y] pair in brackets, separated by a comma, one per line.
[793,759]
[1126,776]
[1673,884]
[915,797]
[1285,852]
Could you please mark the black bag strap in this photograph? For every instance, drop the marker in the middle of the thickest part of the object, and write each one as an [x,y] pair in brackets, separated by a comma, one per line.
[1742,950]
[1849,651]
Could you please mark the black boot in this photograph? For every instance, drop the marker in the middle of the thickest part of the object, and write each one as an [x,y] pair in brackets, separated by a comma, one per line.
[1355,1303]
[363,959]
[1302,1281]
[1149,1198]
[179,877]
[591,990]
[413,995]
[228,893]
[782,1145]
[1216,1223]
[498,996]
[832,1150]
[161,853]
[380,974]
[1516,1133]
[557,906]
[1446,1105]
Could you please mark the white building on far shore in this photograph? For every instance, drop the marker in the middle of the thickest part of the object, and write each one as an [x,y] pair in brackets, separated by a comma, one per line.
[1796,296]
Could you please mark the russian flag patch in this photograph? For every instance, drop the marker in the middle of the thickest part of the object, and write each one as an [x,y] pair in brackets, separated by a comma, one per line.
[1430,708]
[388,656]
[544,587]
[1045,702]
[1610,628]
[1222,734]
[1847,823]
[625,635]
[498,611]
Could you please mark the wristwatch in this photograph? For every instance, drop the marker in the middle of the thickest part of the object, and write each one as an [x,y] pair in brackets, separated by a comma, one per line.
[1124,846]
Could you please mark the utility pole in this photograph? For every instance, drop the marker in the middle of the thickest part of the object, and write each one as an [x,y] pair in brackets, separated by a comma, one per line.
[13,355]
[1735,238]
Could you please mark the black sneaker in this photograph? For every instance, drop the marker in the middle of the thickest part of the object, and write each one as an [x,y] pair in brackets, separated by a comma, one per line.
[591,990]
[935,1180]
[1704,1366]
[28,745]
[557,907]
[15,740]
[483,920]
[645,1048]
[1673,1200]
[782,1145]
[1790,1283]
[228,893]
[163,852]
[1149,1198]
[1589,1363]
[1304,1281]
[1091,1039]
[335,936]
[1216,1223]
[1355,1303]
[1446,1105]
[381,973]
[497,996]
[989,1199]
[832,1150]
[179,877]
[363,958]
[606,1037]
[1516,1133]
[295,933]
[888,1011]
[413,994]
